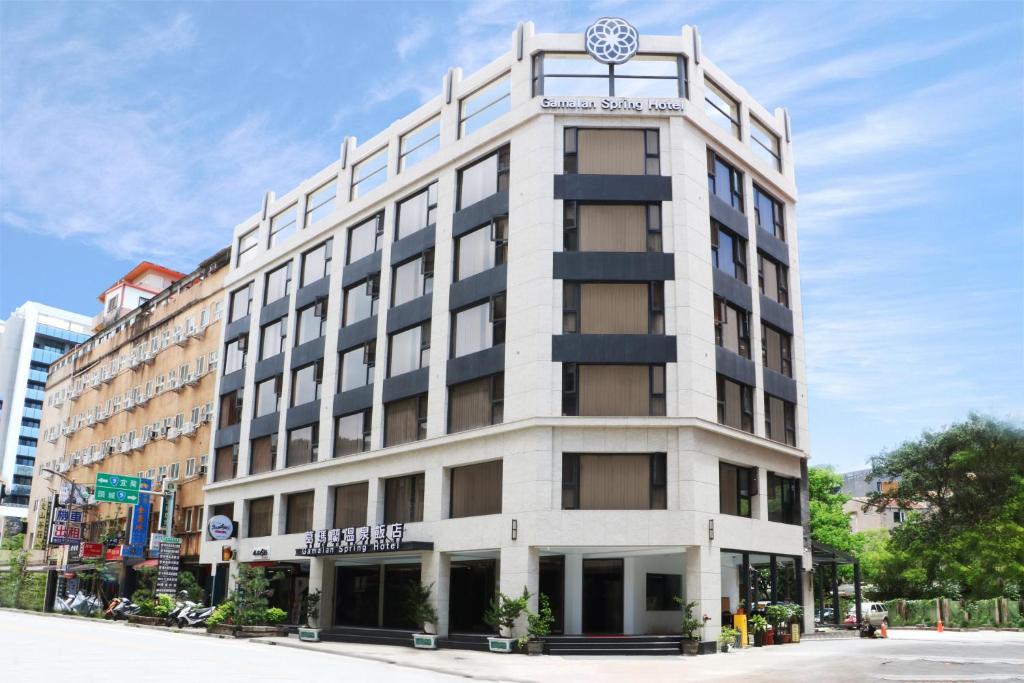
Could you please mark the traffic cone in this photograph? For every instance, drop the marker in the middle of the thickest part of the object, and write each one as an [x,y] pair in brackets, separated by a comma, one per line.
[939,626]
[884,631]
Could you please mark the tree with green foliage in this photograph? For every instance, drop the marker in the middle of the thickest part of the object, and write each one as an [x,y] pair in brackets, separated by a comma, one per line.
[829,524]
[252,588]
[13,542]
[966,538]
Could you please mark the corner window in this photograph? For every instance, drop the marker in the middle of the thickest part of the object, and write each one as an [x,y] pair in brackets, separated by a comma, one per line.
[481,249]
[369,173]
[614,481]
[475,490]
[352,433]
[611,227]
[316,263]
[484,105]
[247,245]
[361,300]
[783,499]
[417,212]
[484,178]
[732,327]
[736,488]
[413,279]
[306,383]
[478,327]
[779,420]
[405,420]
[611,151]
[419,143]
[241,303]
[365,239]
[765,143]
[278,284]
[320,202]
[409,350]
[303,445]
[613,390]
[477,403]
[735,404]
[724,181]
[728,251]
[282,226]
[576,74]
[721,107]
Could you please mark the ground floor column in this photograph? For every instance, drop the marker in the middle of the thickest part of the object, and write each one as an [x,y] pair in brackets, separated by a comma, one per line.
[520,566]
[436,570]
[807,583]
[321,577]
[704,585]
[573,617]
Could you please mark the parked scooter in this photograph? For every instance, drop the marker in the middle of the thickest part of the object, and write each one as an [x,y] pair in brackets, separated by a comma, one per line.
[195,615]
[180,604]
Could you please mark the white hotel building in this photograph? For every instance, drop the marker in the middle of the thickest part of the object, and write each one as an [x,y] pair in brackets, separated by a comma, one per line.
[550,321]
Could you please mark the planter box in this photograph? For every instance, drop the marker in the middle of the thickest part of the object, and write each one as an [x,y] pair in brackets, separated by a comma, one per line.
[234,631]
[534,647]
[424,641]
[310,635]
[146,621]
[690,647]
[503,645]
[707,647]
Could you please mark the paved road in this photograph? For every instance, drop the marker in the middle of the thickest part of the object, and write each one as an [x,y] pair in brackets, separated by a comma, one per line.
[40,648]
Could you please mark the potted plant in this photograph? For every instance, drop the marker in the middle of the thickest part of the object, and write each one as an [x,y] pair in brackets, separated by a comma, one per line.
[311,631]
[727,638]
[758,626]
[538,626]
[796,612]
[502,615]
[778,617]
[422,612]
[690,644]
[247,613]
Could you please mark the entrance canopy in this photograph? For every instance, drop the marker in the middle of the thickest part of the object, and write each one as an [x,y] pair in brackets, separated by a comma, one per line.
[826,556]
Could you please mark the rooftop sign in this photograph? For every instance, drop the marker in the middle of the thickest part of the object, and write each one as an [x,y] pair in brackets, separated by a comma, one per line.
[614,104]
[611,40]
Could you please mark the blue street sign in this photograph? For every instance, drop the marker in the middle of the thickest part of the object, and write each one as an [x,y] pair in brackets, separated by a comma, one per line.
[133,551]
[139,533]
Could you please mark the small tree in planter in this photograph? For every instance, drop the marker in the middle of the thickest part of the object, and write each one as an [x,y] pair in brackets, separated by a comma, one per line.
[539,625]
[311,605]
[778,617]
[727,638]
[502,615]
[249,614]
[422,612]
[689,627]
[758,626]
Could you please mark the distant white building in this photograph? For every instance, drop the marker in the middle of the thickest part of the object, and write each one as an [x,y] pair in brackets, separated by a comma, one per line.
[857,486]
[33,337]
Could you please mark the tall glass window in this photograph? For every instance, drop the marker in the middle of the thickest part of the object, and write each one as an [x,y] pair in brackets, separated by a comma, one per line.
[481,249]
[724,181]
[247,244]
[479,327]
[483,178]
[769,214]
[312,321]
[417,212]
[365,238]
[578,74]
[241,300]
[409,350]
[485,105]
[268,396]
[357,367]
[721,107]
[361,300]
[278,284]
[272,338]
[765,143]
[306,383]
[283,225]
[316,263]
[320,202]
[413,279]
[369,173]
[419,143]
[352,433]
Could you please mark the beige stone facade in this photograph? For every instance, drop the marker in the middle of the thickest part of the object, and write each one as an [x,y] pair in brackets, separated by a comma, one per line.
[137,399]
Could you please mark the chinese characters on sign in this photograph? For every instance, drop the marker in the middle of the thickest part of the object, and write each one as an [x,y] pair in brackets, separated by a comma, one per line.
[116,488]
[66,527]
[363,539]
[168,565]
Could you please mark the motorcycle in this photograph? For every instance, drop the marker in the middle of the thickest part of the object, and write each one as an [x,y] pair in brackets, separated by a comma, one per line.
[195,615]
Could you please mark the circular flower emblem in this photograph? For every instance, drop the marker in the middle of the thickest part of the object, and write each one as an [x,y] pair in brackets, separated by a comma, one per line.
[611,40]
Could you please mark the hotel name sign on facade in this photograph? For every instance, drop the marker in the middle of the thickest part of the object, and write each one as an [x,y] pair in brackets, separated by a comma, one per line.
[612,41]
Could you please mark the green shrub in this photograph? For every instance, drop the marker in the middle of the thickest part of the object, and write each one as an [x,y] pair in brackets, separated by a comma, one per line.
[223,613]
[275,615]
[164,605]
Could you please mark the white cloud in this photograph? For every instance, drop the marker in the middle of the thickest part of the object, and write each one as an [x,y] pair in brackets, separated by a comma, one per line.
[413,40]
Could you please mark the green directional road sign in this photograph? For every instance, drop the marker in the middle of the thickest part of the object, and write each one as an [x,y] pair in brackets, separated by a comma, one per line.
[117,488]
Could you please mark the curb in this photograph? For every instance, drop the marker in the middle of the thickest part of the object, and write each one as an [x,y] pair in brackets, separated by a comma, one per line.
[299,645]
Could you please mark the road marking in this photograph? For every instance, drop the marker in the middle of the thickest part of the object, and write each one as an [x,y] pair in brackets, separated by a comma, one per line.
[918,678]
[954,660]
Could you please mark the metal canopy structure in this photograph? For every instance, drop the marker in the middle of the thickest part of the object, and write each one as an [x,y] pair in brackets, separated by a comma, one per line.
[825,555]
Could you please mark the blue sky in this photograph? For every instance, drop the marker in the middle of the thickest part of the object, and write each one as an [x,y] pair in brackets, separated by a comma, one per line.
[148,130]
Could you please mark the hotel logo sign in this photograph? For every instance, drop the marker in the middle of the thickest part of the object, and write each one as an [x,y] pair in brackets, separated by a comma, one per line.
[611,40]
[614,104]
[380,538]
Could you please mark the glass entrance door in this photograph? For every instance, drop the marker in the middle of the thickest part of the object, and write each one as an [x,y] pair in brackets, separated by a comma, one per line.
[602,596]
[552,584]
[356,595]
[473,583]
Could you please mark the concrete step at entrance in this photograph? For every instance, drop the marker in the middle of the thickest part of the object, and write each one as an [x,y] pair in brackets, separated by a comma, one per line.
[371,636]
[614,645]
[464,641]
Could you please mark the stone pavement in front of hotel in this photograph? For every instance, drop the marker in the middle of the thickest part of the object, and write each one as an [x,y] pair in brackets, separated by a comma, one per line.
[905,656]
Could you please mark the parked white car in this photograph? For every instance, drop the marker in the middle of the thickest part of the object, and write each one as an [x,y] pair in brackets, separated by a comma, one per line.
[872,614]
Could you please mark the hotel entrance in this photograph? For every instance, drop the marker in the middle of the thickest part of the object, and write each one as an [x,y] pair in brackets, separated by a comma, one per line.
[602,596]
[374,594]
